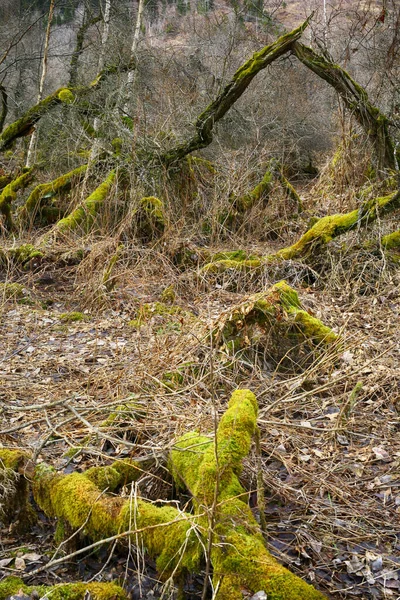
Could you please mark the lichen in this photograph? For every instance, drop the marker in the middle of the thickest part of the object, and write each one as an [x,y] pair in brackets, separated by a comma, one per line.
[23,255]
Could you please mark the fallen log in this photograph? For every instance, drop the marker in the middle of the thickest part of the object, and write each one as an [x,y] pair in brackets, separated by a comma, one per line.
[221,521]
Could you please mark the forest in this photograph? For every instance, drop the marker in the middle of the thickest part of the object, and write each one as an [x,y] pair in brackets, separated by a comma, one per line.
[199,299]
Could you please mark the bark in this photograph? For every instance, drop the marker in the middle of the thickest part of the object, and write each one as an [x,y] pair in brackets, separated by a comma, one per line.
[32,142]
[4,106]
[355,98]
[175,539]
[231,93]
[78,50]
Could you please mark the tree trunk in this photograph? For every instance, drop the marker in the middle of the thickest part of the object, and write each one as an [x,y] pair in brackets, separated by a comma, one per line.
[32,142]
[371,119]
[232,91]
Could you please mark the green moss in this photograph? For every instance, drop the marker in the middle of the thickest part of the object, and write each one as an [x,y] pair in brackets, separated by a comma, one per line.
[172,379]
[220,266]
[25,124]
[9,194]
[65,591]
[105,478]
[391,241]
[238,555]
[12,459]
[83,216]
[168,295]
[48,190]
[274,319]
[76,499]
[329,227]
[24,254]
[321,233]
[11,290]
[73,317]
[66,96]
[4,180]
[151,217]
[313,329]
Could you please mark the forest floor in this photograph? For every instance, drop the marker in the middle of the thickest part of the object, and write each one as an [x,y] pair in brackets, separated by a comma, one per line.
[330,460]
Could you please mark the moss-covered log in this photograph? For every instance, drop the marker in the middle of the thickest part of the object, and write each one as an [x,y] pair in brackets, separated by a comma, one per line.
[210,471]
[372,120]
[391,241]
[11,586]
[43,191]
[84,215]
[330,227]
[9,193]
[231,93]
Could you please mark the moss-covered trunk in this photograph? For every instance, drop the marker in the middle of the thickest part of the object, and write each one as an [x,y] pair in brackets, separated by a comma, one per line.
[84,215]
[330,227]
[372,120]
[232,91]
[9,194]
[36,198]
